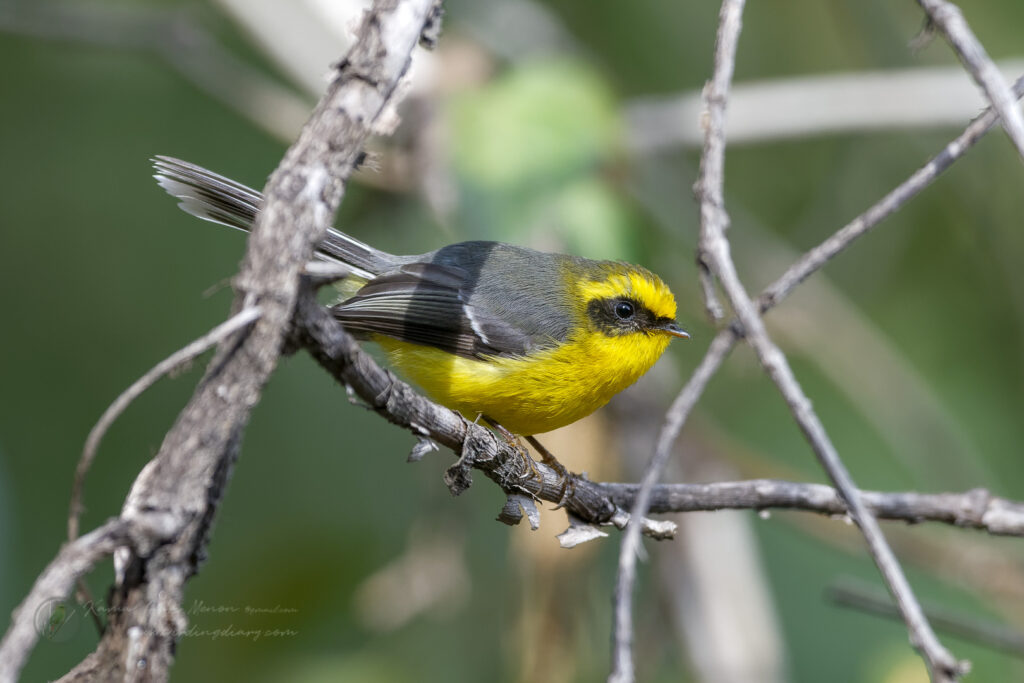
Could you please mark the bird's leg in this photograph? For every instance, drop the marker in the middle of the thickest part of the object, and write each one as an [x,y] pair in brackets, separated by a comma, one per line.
[548,458]
[515,443]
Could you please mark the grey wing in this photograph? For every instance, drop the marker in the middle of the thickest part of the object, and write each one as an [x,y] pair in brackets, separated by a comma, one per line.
[426,304]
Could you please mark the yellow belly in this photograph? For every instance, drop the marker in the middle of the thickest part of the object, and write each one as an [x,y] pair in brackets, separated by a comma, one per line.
[533,394]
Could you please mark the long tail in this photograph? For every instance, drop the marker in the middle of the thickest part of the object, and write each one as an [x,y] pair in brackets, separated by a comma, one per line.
[214,198]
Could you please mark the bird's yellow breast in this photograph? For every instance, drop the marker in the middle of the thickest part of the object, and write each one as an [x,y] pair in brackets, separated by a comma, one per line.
[537,393]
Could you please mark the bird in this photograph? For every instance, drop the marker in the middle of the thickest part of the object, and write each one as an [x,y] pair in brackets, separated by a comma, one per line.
[530,341]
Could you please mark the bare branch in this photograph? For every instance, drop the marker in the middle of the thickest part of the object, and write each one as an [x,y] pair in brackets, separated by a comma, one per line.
[712,306]
[715,251]
[975,509]
[772,295]
[713,170]
[176,360]
[951,22]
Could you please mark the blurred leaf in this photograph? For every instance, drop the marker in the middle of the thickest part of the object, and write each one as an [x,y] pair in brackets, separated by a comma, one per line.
[527,149]
[542,121]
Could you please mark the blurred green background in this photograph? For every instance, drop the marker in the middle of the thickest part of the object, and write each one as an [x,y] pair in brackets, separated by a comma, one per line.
[344,563]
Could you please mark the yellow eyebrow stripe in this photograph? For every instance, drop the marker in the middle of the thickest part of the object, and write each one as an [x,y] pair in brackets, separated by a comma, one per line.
[650,291]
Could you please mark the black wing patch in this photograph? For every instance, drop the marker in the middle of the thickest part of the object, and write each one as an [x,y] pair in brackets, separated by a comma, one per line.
[428,304]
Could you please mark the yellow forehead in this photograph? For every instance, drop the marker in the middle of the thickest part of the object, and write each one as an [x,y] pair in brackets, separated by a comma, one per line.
[646,288]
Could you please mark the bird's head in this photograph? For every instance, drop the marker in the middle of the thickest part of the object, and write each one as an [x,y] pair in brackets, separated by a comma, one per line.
[629,300]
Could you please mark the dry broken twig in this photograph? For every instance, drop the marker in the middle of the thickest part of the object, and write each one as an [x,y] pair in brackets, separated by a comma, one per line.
[177,360]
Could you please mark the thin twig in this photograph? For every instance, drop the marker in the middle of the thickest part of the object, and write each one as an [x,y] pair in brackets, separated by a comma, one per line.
[622,627]
[712,306]
[975,509]
[716,91]
[889,204]
[950,20]
[714,247]
[178,359]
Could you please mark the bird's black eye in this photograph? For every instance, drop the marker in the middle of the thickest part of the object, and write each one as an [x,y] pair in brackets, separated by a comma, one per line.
[624,310]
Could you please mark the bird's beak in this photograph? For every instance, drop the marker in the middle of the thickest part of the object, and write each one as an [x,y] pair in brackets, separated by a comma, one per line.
[673,329]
